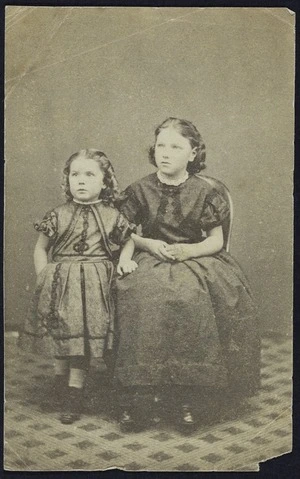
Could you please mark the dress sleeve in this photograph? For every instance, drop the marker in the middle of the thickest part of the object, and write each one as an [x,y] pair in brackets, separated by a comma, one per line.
[131,206]
[122,231]
[214,212]
[48,225]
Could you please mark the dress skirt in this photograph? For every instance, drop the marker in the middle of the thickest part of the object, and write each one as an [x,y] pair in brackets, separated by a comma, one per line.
[187,323]
[72,313]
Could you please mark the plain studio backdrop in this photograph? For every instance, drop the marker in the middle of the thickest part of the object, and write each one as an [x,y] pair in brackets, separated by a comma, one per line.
[106,77]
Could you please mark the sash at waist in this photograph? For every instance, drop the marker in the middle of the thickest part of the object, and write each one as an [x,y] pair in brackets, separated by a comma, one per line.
[75,258]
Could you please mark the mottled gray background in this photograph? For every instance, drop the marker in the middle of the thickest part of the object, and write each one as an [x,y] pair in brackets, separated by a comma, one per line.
[105,77]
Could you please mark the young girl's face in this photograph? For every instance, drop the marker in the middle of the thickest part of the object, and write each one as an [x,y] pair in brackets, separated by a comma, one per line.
[173,153]
[85,179]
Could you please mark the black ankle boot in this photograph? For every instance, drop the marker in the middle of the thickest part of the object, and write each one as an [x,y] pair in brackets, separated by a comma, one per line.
[54,401]
[187,422]
[72,406]
[156,415]
[128,422]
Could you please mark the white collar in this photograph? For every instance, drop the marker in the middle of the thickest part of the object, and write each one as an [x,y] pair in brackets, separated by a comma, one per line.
[172,182]
[87,202]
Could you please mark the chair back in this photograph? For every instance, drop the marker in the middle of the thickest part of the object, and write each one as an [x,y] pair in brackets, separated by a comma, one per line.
[224,192]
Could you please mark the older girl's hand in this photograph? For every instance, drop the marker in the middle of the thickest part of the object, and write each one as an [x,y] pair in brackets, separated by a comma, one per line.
[180,252]
[159,249]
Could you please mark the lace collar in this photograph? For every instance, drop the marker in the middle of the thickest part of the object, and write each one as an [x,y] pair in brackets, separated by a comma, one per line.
[172,182]
[87,202]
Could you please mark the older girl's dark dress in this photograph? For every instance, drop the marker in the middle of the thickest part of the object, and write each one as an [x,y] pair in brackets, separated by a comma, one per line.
[189,323]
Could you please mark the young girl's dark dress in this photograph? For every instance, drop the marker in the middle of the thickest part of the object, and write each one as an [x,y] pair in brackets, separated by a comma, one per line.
[72,312]
[190,323]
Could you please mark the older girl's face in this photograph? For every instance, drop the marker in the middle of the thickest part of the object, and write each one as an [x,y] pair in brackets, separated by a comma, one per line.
[85,179]
[173,152]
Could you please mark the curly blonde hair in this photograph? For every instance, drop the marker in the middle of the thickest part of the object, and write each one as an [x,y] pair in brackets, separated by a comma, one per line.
[111,193]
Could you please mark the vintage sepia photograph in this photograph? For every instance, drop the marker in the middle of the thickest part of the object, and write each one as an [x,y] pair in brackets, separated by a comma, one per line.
[149,160]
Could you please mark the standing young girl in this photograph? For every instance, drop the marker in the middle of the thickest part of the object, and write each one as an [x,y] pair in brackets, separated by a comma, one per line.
[73,314]
[187,321]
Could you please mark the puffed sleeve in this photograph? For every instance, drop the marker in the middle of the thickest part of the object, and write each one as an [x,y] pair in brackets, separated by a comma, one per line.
[214,212]
[122,230]
[131,206]
[48,225]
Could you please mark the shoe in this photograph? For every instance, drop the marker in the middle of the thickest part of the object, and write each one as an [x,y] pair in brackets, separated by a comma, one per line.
[127,422]
[156,411]
[54,402]
[187,421]
[72,406]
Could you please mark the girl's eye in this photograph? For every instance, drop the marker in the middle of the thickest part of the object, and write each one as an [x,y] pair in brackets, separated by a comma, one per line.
[176,147]
[89,173]
[159,145]
[74,174]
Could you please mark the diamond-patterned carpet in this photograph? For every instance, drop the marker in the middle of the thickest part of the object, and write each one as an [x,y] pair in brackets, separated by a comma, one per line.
[237,440]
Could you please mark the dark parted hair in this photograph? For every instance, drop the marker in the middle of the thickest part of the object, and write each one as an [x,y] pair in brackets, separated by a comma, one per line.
[188,131]
[111,193]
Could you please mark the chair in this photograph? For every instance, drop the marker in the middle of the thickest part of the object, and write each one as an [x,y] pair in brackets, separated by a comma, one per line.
[223,190]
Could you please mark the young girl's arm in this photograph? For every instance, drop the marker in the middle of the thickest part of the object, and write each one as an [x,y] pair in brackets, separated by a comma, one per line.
[40,255]
[211,245]
[126,265]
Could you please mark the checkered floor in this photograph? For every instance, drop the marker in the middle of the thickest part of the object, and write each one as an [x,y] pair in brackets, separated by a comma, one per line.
[36,441]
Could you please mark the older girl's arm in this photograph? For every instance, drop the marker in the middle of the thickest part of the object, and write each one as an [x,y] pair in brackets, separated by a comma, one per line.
[211,245]
[157,248]
[40,255]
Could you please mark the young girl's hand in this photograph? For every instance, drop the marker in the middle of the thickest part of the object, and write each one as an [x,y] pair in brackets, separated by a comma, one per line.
[180,252]
[126,266]
[159,249]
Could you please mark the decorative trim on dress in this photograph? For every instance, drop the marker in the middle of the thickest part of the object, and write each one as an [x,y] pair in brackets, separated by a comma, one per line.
[170,182]
[87,202]
[82,245]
